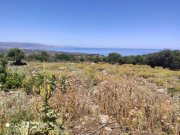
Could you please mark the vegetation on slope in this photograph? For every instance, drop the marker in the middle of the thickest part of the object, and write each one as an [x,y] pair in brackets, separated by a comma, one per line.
[166,58]
[89,98]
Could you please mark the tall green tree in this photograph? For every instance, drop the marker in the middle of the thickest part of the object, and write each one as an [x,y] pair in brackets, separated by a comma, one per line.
[114,58]
[16,55]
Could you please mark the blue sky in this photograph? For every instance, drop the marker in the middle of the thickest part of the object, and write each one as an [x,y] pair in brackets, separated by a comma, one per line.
[92,23]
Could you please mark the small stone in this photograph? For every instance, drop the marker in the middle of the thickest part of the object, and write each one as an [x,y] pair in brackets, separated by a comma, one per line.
[95,91]
[103,119]
[86,118]
[7,125]
[92,63]
[178,119]
[33,72]
[161,90]
[78,127]
[108,129]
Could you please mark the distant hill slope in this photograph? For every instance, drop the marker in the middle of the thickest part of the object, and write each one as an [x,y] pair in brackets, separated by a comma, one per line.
[31,46]
[35,48]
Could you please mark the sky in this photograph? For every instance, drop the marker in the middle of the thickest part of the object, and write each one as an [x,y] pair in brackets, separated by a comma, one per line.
[92,23]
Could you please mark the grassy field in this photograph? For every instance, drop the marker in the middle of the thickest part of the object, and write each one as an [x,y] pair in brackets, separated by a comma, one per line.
[162,77]
[101,98]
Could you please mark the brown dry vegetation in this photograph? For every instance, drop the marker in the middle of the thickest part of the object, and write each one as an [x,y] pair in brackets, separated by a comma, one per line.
[104,99]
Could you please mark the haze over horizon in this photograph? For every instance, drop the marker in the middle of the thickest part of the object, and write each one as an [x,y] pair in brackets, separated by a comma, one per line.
[92,23]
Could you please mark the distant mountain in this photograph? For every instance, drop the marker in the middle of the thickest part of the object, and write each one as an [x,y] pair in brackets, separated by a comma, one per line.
[30,46]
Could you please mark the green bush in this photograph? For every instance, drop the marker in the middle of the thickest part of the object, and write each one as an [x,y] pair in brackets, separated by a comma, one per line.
[114,58]
[64,57]
[8,79]
[166,59]
[13,81]
[3,72]
[40,56]
[97,59]
[27,85]
[33,83]
[17,55]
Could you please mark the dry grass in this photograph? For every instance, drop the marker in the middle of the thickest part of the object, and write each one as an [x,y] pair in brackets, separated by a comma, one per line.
[138,107]
[132,95]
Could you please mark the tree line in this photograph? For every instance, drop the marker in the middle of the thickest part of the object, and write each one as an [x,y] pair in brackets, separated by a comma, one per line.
[165,58]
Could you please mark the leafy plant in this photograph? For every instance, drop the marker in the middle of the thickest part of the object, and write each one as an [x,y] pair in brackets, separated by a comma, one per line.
[114,58]
[13,81]
[8,79]
[49,123]
[3,72]
[17,55]
[64,83]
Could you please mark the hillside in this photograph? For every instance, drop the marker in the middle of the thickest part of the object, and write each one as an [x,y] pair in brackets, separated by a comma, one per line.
[30,46]
[91,99]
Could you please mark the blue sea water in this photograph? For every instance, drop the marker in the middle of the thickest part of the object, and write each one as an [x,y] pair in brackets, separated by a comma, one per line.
[106,51]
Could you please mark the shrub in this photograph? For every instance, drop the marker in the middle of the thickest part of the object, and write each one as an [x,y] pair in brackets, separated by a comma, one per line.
[17,55]
[42,56]
[64,57]
[97,59]
[166,59]
[9,80]
[35,82]
[3,72]
[114,58]
[49,122]
[27,85]
[81,59]
[13,81]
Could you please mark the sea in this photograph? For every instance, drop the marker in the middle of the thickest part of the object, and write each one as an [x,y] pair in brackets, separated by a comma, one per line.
[106,51]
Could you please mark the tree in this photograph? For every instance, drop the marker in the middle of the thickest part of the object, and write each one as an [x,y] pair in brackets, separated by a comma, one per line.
[43,56]
[163,58]
[114,58]
[16,55]
[97,59]
[39,56]
[176,60]
[63,57]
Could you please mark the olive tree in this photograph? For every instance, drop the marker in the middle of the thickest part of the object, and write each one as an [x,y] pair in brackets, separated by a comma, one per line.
[114,58]
[16,55]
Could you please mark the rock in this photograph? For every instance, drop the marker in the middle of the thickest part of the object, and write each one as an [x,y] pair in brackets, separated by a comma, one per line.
[104,72]
[103,119]
[33,72]
[67,115]
[108,129]
[95,90]
[61,68]
[161,90]
[92,63]
[86,118]
[78,127]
